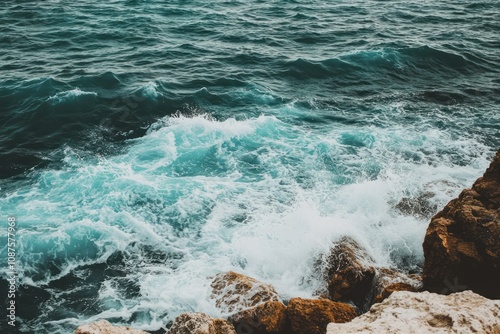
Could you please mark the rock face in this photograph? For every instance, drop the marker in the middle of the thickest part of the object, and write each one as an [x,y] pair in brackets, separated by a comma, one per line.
[265,318]
[462,243]
[424,312]
[105,327]
[200,323]
[349,273]
[235,292]
[311,316]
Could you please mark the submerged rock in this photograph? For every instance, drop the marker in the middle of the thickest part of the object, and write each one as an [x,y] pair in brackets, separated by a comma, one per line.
[419,206]
[349,272]
[200,323]
[424,312]
[462,243]
[311,316]
[265,318]
[105,327]
[235,292]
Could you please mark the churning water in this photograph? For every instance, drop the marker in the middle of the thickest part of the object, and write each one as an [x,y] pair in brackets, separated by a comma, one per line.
[148,145]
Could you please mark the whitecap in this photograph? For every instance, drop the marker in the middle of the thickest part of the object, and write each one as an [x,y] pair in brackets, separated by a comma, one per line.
[150,89]
[69,95]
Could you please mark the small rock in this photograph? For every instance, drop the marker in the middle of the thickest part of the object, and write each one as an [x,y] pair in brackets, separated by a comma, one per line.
[390,280]
[265,318]
[200,323]
[235,292]
[350,273]
[311,316]
[105,327]
[419,206]
[393,288]
[424,312]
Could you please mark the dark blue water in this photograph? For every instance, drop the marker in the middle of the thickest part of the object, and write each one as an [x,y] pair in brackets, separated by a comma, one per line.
[147,145]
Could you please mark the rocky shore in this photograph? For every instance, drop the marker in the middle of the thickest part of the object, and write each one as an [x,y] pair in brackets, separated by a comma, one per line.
[462,252]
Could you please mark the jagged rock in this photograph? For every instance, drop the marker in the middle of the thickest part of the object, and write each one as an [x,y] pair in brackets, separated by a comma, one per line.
[349,272]
[390,280]
[222,326]
[424,312]
[265,318]
[105,327]
[200,323]
[462,243]
[311,316]
[235,292]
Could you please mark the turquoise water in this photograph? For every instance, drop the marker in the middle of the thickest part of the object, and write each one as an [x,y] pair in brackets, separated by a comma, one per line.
[148,145]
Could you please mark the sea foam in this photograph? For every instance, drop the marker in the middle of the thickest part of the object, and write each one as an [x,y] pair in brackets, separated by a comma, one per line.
[260,196]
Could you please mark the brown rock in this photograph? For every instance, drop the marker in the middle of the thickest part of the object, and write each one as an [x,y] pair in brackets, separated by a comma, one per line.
[311,316]
[462,243]
[393,288]
[390,280]
[265,318]
[222,326]
[200,323]
[235,292]
[105,327]
[350,273]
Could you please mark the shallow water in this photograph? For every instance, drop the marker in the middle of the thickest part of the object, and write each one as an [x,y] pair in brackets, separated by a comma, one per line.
[146,146]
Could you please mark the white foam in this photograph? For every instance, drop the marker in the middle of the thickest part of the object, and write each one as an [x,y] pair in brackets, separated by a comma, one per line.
[69,95]
[258,196]
[150,89]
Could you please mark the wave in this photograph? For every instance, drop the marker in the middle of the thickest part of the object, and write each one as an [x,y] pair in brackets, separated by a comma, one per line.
[70,95]
[150,90]
[140,231]
[377,64]
[229,136]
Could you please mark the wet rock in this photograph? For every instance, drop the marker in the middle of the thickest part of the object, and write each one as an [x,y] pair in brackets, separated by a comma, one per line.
[390,280]
[424,312]
[266,318]
[105,327]
[200,323]
[418,206]
[462,242]
[311,316]
[387,291]
[349,272]
[235,292]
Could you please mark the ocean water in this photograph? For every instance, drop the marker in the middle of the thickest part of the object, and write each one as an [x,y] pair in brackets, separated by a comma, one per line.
[148,145]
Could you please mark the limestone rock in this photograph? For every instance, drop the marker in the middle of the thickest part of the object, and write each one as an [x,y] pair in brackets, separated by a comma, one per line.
[265,318]
[105,327]
[424,312]
[235,292]
[462,243]
[350,273]
[200,323]
[311,316]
